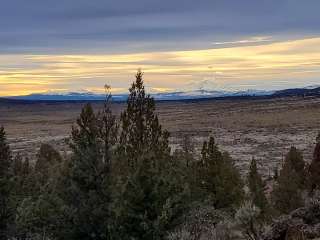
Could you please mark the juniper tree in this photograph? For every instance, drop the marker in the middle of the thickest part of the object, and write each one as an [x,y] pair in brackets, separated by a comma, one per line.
[314,169]
[108,127]
[47,160]
[188,149]
[41,216]
[295,159]
[39,209]
[88,196]
[218,176]
[286,194]
[23,183]
[184,160]
[141,133]
[153,189]
[150,204]
[256,188]
[17,164]
[5,185]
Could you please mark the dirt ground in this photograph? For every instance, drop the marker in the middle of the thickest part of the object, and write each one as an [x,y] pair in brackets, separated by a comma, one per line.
[264,129]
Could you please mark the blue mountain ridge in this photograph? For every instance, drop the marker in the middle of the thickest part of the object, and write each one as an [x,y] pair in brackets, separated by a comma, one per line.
[178,95]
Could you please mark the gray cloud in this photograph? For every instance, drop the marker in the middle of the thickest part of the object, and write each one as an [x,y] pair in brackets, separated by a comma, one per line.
[124,25]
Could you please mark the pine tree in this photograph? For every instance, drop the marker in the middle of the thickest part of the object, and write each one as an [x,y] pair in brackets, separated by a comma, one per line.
[218,177]
[256,188]
[286,194]
[141,134]
[5,185]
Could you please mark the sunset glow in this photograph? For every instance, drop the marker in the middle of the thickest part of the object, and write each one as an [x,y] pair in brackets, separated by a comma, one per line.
[231,45]
[272,65]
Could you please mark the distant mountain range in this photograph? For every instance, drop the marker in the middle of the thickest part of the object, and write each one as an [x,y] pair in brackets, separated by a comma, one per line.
[188,95]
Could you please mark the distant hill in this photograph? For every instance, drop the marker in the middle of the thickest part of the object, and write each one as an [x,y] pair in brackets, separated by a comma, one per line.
[298,92]
[190,95]
[88,96]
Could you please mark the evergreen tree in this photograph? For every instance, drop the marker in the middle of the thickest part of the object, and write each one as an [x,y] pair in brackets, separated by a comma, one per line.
[256,188]
[141,133]
[314,169]
[5,185]
[153,189]
[47,161]
[108,127]
[88,197]
[39,207]
[286,194]
[218,177]
[188,149]
[184,160]
[150,204]
[17,165]
[41,216]
[295,159]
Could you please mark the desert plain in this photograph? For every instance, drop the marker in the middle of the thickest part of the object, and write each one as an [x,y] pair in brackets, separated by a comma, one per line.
[261,128]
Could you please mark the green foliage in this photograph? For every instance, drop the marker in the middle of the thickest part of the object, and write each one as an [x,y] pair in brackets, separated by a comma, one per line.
[314,169]
[40,217]
[188,150]
[108,128]
[219,178]
[88,192]
[38,211]
[295,159]
[248,219]
[286,195]
[153,193]
[141,133]
[256,188]
[47,160]
[150,203]
[6,183]
[122,182]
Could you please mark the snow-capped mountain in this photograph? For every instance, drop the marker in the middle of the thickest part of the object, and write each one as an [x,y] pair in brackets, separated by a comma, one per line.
[178,95]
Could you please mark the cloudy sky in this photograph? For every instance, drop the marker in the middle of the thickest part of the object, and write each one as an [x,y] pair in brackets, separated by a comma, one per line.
[79,45]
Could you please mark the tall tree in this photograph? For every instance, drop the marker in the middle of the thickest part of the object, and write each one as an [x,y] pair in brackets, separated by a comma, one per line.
[141,132]
[218,176]
[153,190]
[5,185]
[256,187]
[89,196]
[108,127]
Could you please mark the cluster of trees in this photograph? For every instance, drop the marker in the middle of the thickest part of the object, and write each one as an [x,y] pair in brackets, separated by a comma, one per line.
[123,182]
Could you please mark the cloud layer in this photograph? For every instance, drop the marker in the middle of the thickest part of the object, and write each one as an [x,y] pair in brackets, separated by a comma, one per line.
[180,44]
[273,65]
[125,25]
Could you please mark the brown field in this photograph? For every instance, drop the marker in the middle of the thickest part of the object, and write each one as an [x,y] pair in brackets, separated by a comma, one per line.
[264,129]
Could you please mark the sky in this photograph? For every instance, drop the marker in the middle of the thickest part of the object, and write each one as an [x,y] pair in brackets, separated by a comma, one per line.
[180,45]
